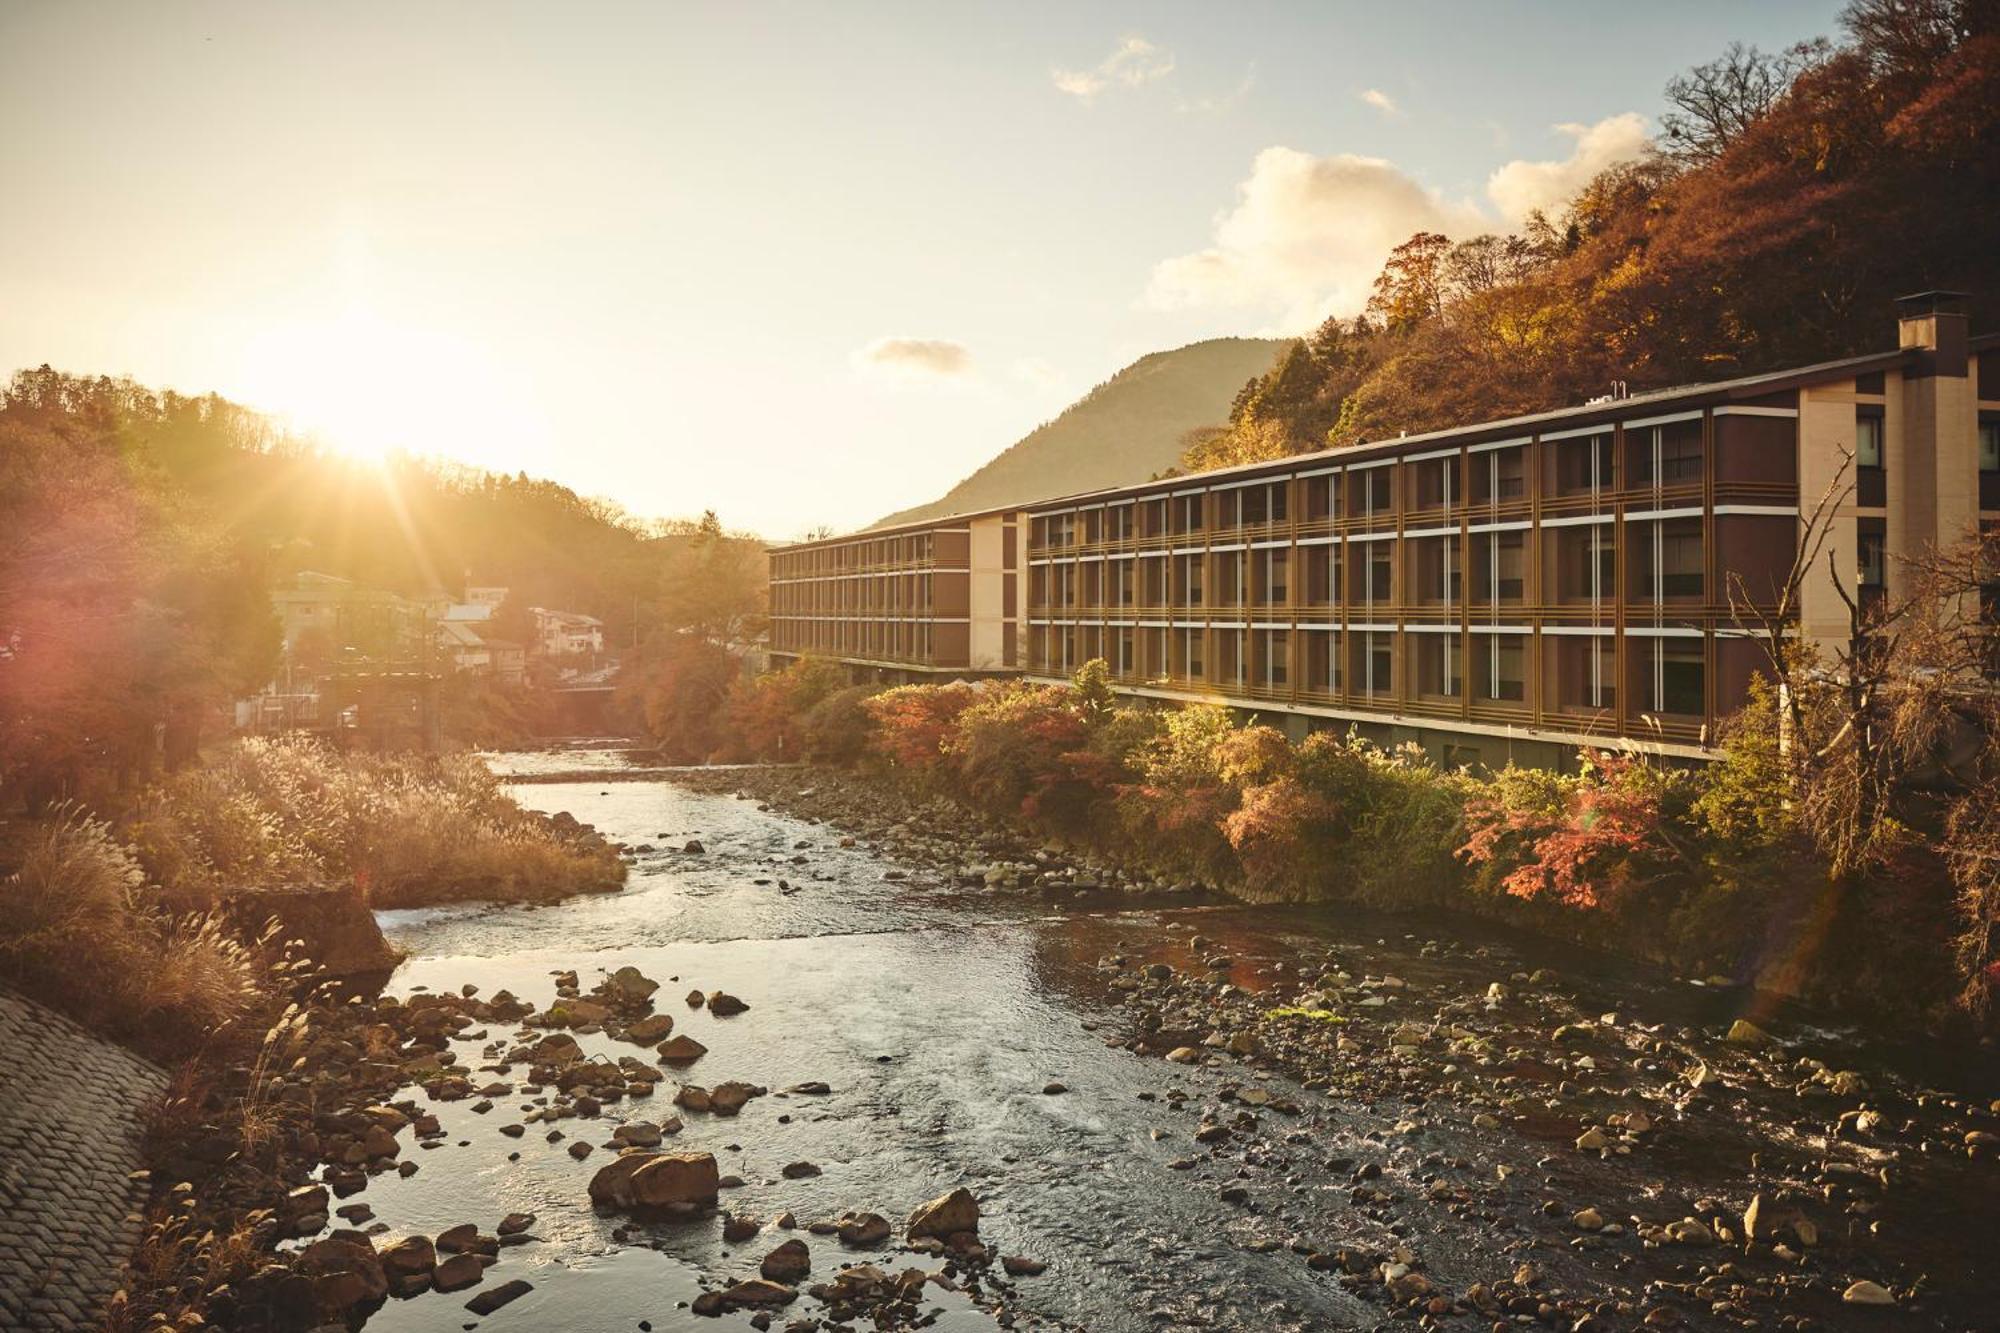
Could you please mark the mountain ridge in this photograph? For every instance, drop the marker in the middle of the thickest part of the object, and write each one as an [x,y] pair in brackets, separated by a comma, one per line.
[1129,428]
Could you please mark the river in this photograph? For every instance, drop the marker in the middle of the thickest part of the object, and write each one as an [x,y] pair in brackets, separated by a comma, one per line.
[938,1015]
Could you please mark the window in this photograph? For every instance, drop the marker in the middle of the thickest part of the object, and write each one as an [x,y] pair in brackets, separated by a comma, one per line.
[1501,671]
[1667,455]
[1380,571]
[1192,643]
[1277,576]
[1678,676]
[1127,662]
[1277,659]
[1190,579]
[1188,513]
[1585,667]
[1867,440]
[1989,446]
[1376,663]
[1440,665]
[1870,540]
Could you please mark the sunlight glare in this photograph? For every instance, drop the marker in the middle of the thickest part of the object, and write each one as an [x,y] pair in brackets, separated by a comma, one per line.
[368,388]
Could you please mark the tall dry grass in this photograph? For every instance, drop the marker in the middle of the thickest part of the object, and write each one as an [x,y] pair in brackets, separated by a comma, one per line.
[81,930]
[408,828]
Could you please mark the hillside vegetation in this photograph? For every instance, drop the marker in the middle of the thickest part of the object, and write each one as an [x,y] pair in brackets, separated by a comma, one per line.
[1790,199]
[1133,426]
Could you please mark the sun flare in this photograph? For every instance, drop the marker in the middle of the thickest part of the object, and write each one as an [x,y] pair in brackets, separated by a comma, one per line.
[367,388]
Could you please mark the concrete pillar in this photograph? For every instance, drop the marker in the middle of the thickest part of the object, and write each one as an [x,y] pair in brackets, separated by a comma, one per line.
[1938,500]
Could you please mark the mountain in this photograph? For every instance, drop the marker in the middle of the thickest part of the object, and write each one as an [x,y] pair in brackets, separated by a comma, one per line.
[1129,428]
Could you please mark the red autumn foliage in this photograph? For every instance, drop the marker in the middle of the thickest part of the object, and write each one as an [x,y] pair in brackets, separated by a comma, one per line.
[1594,840]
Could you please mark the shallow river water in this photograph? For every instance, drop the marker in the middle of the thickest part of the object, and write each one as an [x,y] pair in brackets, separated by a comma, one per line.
[937,1015]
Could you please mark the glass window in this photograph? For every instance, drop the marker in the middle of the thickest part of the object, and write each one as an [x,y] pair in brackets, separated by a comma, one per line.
[1867,441]
[1989,446]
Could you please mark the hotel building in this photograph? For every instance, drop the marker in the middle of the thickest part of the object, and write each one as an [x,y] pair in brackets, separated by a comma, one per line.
[920,601]
[1506,590]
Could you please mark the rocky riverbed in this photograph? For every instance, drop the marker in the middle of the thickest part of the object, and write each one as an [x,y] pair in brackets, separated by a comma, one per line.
[830,1061]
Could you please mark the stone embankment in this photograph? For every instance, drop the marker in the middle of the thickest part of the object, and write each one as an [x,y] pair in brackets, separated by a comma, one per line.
[71,1181]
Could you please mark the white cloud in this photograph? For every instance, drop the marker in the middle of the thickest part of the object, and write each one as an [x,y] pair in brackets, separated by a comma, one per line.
[1308,234]
[914,360]
[1307,237]
[1133,62]
[1381,101]
[1520,187]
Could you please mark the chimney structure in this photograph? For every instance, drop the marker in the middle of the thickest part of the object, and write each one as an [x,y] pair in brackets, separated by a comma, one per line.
[1931,467]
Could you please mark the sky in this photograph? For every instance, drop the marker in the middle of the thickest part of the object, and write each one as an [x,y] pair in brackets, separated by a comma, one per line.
[803,264]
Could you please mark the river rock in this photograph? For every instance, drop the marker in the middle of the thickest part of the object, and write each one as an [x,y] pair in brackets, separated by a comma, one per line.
[346,1275]
[651,1029]
[681,1050]
[410,1256]
[758,1291]
[668,1179]
[724,1005]
[629,983]
[1020,1265]
[729,1098]
[1745,1033]
[863,1229]
[787,1263]
[458,1272]
[486,1302]
[945,1216]
[1865,1292]
[558,1048]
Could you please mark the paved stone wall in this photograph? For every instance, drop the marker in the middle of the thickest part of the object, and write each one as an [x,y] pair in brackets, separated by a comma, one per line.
[70,1108]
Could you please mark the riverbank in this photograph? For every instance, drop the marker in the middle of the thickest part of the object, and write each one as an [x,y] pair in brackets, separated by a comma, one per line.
[1170,1110]
[1826,1188]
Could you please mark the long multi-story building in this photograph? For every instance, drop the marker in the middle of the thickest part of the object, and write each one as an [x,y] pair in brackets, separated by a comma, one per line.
[913,602]
[1514,589]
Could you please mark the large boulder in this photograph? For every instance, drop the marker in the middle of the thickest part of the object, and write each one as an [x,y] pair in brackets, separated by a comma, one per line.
[945,1216]
[629,983]
[681,1050]
[676,1178]
[656,1180]
[788,1263]
[345,1272]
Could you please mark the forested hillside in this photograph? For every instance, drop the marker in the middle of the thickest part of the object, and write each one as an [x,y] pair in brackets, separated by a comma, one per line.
[1790,198]
[141,534]
[1131,427]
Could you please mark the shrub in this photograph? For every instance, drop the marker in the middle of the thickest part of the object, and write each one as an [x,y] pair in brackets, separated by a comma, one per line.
[1582,840]
[1024,750]
[836,729]
[913,723]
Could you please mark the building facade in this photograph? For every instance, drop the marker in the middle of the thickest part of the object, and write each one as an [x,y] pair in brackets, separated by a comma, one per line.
[914,602]
[1509,590]
[1513,589]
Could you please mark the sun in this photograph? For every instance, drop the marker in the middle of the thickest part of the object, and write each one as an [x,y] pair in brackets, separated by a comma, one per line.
[368,388]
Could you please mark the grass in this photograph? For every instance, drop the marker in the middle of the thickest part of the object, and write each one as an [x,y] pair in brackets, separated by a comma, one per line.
[82,931]
[407,828]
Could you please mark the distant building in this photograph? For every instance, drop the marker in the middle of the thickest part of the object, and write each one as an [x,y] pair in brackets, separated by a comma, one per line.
[331,614]
[509,661]
[485,596]
[464,648]
[567,633]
